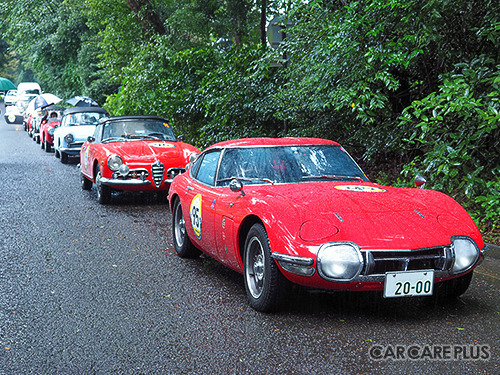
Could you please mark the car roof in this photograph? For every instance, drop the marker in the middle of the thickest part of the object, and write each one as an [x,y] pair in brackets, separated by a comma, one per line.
[264,141]
[84,109]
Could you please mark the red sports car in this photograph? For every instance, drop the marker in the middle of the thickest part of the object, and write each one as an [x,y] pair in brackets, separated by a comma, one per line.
[47,133]
[137,153]
[301,210]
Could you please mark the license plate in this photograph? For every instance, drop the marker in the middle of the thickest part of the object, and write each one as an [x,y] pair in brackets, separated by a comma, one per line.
[408,283]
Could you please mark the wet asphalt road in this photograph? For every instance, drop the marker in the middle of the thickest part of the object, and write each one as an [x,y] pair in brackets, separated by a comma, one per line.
[91,289]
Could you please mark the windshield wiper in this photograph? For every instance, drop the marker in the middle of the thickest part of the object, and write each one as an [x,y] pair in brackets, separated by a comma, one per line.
[334,177]
[247,179]
[113,139]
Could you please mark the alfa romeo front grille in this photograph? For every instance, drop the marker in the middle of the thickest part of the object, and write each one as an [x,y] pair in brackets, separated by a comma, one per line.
[380,262]
[158,170]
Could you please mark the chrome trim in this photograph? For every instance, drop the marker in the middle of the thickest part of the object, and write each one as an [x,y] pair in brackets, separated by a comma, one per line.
[300,261]
[121,182]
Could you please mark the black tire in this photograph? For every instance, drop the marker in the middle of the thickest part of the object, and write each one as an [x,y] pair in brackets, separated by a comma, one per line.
[42,145]
[266,287]
[103,191]
[85,182]
[455,287]
[182,244]
[64,157]
[48,147]
[56,153]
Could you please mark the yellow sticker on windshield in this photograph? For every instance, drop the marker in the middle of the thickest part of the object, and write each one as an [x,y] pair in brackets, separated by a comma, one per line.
[165,124]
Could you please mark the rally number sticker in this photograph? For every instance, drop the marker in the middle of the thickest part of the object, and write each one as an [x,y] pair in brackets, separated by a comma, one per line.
[195,213]
[365,189]
[161,145]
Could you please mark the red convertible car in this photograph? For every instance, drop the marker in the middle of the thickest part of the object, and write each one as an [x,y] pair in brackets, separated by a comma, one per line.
[136,153]
[300,210]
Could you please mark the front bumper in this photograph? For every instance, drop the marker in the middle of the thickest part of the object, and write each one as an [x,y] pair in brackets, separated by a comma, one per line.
[376,264]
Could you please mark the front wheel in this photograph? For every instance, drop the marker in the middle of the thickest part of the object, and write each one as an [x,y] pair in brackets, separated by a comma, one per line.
[103,191]
[182,244]
[266,287]
[86,183]
[64,157]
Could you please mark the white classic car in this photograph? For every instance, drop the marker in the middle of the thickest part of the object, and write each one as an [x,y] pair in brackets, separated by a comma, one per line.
[77,124]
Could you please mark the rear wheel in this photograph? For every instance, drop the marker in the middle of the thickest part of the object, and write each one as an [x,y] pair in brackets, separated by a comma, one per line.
[182,244]
[103,191]
[48,147]
[266,287]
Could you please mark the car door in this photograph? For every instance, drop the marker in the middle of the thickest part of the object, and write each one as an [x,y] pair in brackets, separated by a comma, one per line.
[88,153]
[201,197]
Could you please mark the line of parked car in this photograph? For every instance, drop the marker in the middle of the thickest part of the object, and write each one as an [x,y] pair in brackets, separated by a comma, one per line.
[280,211]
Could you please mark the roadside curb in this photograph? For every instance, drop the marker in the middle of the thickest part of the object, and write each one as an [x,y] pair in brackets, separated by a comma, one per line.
[492,251]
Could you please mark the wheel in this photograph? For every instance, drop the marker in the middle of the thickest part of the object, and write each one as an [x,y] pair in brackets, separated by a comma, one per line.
[266,287]
[182,244]
[64,157]
[42,144]
[455,287]
[103,191]
[56,153]
[48,147]
[86,183]
[38,138]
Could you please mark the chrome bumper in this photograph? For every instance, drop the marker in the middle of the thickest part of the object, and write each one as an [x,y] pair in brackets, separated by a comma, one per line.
[121,182]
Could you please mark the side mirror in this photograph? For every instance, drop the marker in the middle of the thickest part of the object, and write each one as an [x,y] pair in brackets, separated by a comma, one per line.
[193,157]
[236,185]
[90,139]
[420,181]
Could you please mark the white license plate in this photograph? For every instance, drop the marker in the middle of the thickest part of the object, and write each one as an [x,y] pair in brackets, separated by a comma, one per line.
[408,283]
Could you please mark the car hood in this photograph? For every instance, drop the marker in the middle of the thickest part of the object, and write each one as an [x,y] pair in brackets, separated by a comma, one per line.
[144,151]
[371,215]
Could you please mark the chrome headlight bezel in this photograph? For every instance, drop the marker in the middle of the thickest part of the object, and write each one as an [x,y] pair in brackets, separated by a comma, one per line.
[340,254]
[465,254]
[115,162]
[51,131]
[69,138]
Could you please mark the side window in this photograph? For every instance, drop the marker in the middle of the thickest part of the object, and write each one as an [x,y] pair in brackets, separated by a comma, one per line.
[64,121]
[208,167]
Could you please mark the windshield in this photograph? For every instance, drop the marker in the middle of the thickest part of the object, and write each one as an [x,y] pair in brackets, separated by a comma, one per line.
[84,118]
[138,129]
[288,164]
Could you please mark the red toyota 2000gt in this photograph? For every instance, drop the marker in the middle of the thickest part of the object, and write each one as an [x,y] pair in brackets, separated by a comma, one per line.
[300,210]
[137,153]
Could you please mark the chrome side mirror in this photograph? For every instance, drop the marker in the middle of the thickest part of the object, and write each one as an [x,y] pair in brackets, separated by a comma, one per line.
[420,181]
[236,185]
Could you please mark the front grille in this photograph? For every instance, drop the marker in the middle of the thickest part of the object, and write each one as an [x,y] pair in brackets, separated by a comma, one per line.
[380,262]
[158,170]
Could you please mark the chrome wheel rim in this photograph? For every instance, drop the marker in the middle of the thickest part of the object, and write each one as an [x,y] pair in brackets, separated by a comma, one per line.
[254,267]
[180,226]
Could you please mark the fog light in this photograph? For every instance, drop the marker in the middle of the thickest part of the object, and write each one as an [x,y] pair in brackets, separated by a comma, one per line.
[466,253]
[339,261]
[123,170]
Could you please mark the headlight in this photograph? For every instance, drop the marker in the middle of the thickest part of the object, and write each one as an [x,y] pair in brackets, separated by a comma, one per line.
[69,138]
[339,261]
[114,162]
[466,253]
[51,131]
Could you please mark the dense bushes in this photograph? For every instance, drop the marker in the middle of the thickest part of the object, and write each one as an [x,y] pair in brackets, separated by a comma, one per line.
[408,86]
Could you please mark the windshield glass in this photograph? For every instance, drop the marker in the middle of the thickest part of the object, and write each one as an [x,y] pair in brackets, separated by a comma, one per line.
[138,129]
[288,164]
[84,118]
